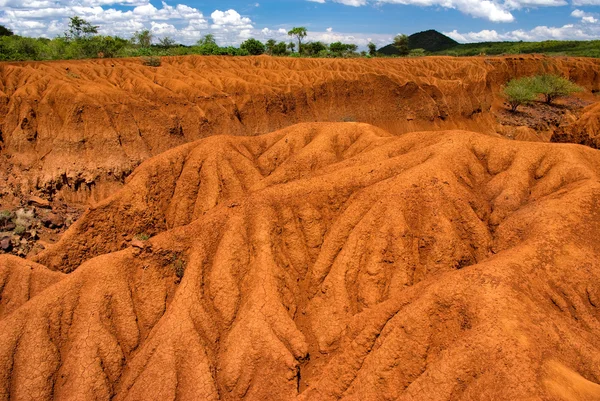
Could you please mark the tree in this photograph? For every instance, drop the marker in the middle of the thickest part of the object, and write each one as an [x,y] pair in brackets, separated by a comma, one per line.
[270,45]
[80,29]
[554,86]
[299,33]
[280,49]
[253,47]
[143,38]
[208,39]
[372,49]
[291,46]
[4,31]
[313,48]
[520,92]
[401,43]
[166,42]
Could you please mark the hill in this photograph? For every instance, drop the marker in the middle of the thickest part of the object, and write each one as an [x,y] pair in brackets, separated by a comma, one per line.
[304,264]
[77,129]
[431,41]
[577,48]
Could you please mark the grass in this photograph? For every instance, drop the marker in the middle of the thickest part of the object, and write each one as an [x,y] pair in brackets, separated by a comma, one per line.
[578,48]
[142,237]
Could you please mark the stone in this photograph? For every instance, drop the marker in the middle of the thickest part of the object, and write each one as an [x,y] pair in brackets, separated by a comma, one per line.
[39,202]
[53,220]
[6,244]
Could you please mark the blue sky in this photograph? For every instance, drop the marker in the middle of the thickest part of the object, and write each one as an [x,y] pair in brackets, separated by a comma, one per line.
[356,21]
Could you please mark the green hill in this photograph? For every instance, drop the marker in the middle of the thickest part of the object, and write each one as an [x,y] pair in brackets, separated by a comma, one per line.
[431,40]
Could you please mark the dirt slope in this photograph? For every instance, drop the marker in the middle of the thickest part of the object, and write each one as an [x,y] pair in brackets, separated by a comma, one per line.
[321,262]
[80,127]
[585,130]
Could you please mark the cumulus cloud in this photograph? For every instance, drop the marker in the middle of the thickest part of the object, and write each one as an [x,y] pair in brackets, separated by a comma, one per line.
[565,32]
[492,10]
[49,18]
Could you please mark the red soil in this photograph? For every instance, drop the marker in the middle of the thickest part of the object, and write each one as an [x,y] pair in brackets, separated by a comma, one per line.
[424,256]
[321,262]
[76,129]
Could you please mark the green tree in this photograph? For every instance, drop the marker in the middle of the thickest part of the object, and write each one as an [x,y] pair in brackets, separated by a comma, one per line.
[80,29]
[519,92]
[417,53]
[143,38]
[401,43]
[280,49]
[270,45]
[313,48]
[372,49]
[4,31]
[166,42]
[553,87]
[291,46]
[208,39]
[253,47]
[299,33]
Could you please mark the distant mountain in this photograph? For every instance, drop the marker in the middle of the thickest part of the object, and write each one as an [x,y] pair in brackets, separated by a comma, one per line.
[431,41]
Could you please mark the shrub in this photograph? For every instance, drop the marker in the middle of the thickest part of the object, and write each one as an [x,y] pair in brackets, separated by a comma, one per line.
[151,61]
[520,91]
[554,86]
[142,237]
[253,47]
[417,53]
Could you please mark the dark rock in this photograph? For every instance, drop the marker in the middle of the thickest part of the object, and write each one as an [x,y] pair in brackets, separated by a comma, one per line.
[53,220]
[6,244]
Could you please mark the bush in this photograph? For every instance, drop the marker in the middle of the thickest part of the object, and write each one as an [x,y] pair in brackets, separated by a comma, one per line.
[554,86]
[253,47]
[417,53]
[520,91]
[151,61]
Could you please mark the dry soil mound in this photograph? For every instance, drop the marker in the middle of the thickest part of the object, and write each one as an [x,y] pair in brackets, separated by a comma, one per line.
[321,262]
[80,127]
[584,131]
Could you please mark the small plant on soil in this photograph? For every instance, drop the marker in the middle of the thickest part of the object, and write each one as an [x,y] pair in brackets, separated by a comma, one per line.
[178,265]
[151,61]
[19,230]
[142,237]
[520,92]
[553,87]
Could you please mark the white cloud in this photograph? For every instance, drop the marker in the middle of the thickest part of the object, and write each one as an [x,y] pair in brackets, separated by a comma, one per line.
[49,18]
[492,10]
[565,32]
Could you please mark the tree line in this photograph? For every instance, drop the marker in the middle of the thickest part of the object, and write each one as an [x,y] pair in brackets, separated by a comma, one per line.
[82,40]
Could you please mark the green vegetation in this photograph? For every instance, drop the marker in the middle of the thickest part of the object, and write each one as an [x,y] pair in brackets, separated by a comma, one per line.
[253,47]
[151,61]
[553,86]
[299,33]
[142,237]
[523,91]
[519,92]
[574,48]
[401,45]
[82,40]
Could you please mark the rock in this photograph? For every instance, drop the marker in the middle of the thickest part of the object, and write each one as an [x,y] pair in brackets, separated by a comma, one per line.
[39,202]
[6,244]
[136,243]
[9,226]
[53,220]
